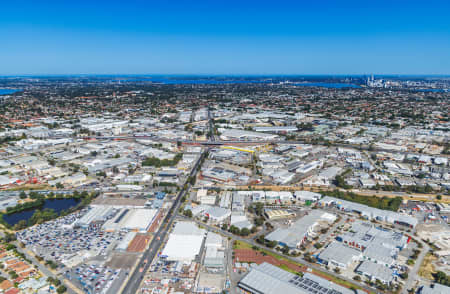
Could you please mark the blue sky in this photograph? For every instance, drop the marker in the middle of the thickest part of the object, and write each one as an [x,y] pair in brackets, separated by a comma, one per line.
[225,37]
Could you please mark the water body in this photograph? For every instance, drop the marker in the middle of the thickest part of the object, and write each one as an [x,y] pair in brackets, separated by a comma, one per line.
[57,205]
[167,81]
[8,91]
[434,90]
[328,85]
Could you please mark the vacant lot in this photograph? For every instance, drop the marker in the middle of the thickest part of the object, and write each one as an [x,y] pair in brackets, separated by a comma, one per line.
[122,260]
[139,243]
[427,269]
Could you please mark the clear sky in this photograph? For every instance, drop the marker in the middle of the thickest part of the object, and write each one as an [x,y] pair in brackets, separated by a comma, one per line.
[225,37]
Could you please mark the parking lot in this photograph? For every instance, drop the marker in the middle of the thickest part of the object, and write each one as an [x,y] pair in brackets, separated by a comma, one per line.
[96,278]
[57,240]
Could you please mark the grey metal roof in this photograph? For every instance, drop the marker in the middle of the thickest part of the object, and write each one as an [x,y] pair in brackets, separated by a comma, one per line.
[376,270]
[269,279]
[339,253]
[293,235]
[435,289]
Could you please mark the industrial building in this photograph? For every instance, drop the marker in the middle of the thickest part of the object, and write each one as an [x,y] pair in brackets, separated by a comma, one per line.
[375,271]
[294,236]
[376,244]
[370,212]
[184,243]
[338,255]
[131,219]
[182,248]
[215,255]
[274,214]
[434,289]
[235,134]
[269,279]
[96,214]
[123,245]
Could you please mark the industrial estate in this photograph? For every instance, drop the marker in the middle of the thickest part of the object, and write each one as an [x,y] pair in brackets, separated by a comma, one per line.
[224,185]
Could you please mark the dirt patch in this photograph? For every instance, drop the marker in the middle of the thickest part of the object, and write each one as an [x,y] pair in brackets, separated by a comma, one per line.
[139,243]
[252,256]
[155,224]
[122,260]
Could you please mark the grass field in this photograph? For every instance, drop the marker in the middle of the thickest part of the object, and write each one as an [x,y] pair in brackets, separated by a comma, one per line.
[241,245]
[31,187]
[426,268]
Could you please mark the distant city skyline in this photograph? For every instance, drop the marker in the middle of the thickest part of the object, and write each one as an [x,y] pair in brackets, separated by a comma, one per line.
[225,38]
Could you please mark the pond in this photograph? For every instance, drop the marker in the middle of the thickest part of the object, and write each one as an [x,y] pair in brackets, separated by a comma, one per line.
[8,91]
[57,205]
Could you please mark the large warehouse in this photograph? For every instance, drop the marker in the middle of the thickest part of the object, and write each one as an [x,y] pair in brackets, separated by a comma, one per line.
[184,242]
[95,214]
[269,279]
[131,219]
[183,248]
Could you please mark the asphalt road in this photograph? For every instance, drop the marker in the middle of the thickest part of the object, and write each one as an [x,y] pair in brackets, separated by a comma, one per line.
[136,276]
[412,275]
[42,267]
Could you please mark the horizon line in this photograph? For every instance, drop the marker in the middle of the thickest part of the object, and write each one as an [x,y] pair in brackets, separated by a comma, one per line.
[223,75]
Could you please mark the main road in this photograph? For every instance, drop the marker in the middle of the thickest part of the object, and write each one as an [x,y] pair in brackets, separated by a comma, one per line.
[137,275]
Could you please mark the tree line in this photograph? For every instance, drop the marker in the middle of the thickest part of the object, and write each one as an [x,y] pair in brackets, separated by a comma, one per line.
[384,203]
[156,162]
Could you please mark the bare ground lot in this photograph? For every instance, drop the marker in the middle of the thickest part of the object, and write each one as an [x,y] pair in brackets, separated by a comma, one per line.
[122,260]
[139,243]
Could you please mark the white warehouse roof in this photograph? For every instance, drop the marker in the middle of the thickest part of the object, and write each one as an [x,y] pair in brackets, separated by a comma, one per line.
[183,248]
[140,219]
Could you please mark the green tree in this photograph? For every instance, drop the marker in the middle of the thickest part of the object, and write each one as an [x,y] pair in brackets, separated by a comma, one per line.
[61,289]
[23,195]
[245,232]
[188,213]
